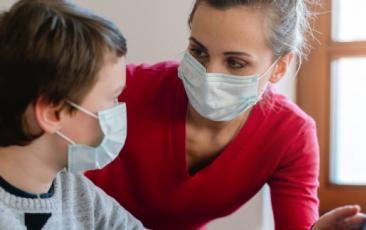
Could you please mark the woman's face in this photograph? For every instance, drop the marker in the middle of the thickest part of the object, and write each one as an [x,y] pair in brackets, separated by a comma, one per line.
[230,41]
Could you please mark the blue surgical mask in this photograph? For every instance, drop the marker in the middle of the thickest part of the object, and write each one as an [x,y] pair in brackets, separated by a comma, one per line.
[218,96]
[114,127]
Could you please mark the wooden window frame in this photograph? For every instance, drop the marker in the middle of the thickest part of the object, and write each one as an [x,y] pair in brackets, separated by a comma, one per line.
[314,96]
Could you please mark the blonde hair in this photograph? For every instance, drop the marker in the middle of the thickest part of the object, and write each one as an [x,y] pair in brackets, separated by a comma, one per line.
[288,22]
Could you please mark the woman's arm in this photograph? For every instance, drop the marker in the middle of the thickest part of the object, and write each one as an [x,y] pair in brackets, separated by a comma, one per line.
[295,182]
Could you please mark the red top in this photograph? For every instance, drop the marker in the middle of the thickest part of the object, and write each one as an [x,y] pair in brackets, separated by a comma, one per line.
[277,145]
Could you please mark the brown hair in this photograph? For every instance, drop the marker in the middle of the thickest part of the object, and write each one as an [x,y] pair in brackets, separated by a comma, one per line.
[52,49]
[287,21]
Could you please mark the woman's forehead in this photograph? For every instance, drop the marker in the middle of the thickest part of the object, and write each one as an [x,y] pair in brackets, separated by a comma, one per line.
[236,29]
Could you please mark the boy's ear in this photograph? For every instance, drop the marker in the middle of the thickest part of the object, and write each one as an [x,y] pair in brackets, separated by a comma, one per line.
[48,115]
[280,69]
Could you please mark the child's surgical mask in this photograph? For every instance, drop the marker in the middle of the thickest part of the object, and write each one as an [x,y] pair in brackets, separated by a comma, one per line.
[114,127]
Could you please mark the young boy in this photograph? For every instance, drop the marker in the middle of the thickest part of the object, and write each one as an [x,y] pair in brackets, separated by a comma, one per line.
[61,71]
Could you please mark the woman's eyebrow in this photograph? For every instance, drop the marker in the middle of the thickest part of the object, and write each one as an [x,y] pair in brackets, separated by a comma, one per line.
[227,53]
[238,53]
[194,40]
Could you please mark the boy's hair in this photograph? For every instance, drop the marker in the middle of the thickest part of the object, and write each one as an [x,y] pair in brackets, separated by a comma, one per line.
[49,49]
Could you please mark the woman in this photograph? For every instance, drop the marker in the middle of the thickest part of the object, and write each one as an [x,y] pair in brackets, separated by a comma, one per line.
[205,136]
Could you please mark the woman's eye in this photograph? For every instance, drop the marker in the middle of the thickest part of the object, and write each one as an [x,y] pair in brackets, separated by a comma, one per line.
[235,64]
[198,53]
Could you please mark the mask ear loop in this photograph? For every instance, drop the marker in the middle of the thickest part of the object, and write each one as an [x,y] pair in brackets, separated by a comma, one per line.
[82,109]
[269,68]
[299,65]
[263,74]
[63,136]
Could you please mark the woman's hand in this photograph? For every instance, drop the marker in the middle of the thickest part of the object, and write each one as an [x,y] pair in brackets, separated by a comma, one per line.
[342,218]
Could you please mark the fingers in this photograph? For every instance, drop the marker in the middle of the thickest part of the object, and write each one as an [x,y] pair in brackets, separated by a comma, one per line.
[356,221]
[344,212]
[345,218]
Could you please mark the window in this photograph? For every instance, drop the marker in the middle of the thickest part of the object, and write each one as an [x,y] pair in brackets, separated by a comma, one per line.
[332,89]
[348,121]
[347,19]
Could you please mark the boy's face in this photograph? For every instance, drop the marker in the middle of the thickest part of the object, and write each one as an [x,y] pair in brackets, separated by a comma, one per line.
[84,129]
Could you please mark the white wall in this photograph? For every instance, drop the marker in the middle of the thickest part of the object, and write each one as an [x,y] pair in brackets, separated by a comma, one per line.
[157,30]
[254,215]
